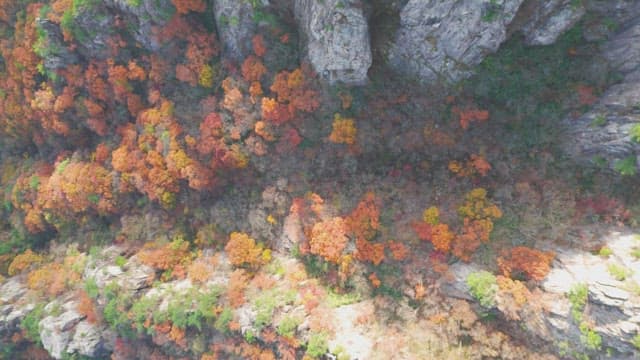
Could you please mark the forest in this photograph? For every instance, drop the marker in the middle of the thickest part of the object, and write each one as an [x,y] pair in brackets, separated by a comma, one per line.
[165,196]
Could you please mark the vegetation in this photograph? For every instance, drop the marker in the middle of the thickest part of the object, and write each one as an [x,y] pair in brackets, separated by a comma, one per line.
[30,323]
[618,272]
[483,287]
[245,203]
[578,297]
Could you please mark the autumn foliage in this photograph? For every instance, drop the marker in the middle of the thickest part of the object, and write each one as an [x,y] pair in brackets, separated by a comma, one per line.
[174,256]
[243,251]
[344,131]
[526,262]
[467,115]
[184,6]
[478,214]
[294,93]
[476,165]
[23,262]
[364,220]
[367,251]
[328,239]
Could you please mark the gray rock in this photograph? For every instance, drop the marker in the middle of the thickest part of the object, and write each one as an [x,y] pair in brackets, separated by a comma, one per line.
[612,310]
[442,40]
[617,11]
[623,51]
[88,340]
[11,291]
[11,315]
[274,205]
[246,316]
[546,20]
[138,275]
[56,332]
[616,113]
[236,27]
[337,39]
[457,286]
[607,293]
[92,27]
[147,14]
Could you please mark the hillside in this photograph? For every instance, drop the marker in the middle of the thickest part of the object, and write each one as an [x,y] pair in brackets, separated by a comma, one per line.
[305,179]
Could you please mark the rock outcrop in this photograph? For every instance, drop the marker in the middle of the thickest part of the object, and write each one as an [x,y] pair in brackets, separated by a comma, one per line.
[546,20]
[236,27]
[56,54]
[142,16]
[603,134]
[612,306]
[336,39]
[442,40]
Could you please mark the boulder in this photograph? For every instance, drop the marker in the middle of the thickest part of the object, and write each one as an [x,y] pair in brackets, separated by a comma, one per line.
[336,39]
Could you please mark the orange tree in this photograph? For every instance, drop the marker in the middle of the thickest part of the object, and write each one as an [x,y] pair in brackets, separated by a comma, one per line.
[478,214]
[529,263]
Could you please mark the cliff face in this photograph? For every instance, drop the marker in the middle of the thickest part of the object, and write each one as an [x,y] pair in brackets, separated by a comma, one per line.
[605,133]
[336,39]
[441,41]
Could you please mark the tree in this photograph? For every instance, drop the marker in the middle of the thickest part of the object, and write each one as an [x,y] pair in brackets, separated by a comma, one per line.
[344,131]
[364,221]
[185,6]
[529,263]
[243,250]
[328,239]
[253,69]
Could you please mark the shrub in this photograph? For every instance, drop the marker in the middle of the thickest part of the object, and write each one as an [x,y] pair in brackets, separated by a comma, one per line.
[636,341]
[441,237]
[121,261]
[288,326]
[328,239]
[367,251]
[166,257]
[317,345]
[626,166]
[431,215]
[605,252]
[589,337]
[483,287]
[618,272]
[91,287]
[478,214]
[30,323]
[578,296]
[344,131]
[50,279]
[223,320]
[23,262]
[531,263]
[243,250]
[364,221]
